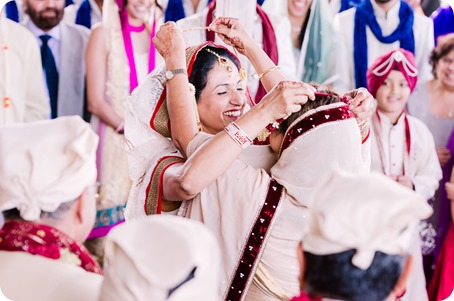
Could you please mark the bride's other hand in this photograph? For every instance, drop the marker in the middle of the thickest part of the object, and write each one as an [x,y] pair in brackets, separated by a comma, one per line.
[232,32]
[170,44]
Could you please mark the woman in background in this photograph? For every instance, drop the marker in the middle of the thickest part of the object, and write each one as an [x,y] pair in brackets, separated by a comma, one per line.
[313,37]
[120,54]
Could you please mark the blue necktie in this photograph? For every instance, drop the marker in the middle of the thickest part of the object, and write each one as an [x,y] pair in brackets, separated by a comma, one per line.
[48,62]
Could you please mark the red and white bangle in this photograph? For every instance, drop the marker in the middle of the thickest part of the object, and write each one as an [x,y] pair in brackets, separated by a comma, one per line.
[237,134]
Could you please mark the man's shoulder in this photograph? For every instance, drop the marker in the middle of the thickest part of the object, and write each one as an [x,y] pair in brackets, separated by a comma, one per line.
[19,31]
[15,27]
[75,30]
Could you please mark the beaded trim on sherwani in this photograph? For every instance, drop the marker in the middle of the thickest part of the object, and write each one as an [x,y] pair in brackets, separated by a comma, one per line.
[253,248]
[312,119]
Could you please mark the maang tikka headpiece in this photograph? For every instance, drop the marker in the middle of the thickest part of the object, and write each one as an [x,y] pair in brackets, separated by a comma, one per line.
[223,63]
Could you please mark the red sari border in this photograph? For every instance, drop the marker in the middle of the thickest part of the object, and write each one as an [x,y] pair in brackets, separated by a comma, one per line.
[252,249]
[153,196]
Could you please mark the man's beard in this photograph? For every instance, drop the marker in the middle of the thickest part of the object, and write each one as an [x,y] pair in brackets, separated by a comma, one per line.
[45,23]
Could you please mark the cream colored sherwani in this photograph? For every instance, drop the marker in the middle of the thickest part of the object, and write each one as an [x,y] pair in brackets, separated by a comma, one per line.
[25,277]
[389,156]
[21,76]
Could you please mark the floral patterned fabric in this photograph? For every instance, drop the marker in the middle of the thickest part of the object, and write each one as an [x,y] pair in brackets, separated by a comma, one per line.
[46,241]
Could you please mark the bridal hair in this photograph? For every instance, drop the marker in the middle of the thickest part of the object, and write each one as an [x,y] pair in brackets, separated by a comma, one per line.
[323,96]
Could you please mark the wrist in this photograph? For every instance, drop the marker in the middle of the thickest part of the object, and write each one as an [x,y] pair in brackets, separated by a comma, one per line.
[251,49]
[175,62]
[264,114]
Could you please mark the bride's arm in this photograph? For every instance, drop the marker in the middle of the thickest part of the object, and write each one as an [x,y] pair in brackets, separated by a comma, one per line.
[180,103]
[184,181]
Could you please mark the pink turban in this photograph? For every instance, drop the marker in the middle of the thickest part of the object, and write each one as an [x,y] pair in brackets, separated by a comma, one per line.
[401,60]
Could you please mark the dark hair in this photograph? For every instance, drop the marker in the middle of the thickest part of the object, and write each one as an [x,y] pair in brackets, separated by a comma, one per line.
[444,47]
[303,29]
[334,276]
[57,215]
[203,64]
[320,100]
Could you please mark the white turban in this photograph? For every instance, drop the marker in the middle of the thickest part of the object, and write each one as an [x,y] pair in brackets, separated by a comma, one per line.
[46,163]
[366,212]
[161,257]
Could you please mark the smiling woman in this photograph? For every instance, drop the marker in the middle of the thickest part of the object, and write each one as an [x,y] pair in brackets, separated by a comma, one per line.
[119,56]
[220,92]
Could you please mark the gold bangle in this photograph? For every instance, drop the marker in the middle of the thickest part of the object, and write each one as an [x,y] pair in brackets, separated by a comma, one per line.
[268,71]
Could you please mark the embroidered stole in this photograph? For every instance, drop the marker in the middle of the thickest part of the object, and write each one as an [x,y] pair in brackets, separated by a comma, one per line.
[83,16]
[365,16]
[46,241]
[126,29]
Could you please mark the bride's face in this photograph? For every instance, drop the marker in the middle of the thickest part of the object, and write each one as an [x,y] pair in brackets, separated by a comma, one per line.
[223,100]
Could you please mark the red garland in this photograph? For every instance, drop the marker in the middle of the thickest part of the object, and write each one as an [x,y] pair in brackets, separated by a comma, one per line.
[43,240]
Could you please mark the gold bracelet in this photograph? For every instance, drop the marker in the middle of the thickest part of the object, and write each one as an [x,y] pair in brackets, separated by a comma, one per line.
[268,71]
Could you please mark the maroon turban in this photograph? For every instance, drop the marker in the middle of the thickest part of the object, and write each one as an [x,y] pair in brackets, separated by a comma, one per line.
[400,60]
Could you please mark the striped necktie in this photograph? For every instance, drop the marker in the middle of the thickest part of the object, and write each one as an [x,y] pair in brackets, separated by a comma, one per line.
[48,62]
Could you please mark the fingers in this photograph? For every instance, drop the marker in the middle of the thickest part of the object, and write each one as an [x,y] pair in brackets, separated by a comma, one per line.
[361,104]
[287,97]
[224,25]
[298,88]
[358,96]
[169,40]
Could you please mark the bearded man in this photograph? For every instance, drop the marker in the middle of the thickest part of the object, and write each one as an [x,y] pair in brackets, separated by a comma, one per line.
[62,55]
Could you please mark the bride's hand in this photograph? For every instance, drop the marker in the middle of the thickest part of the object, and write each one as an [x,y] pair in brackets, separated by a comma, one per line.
[232,32]
[169,42]
[286,98]
[361,103]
